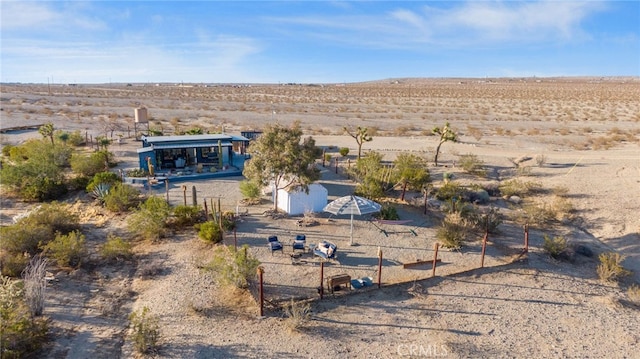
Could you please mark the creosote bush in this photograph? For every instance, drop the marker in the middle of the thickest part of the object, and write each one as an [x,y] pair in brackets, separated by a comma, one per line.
[233,267]
[297,315]
[610,268]
[121,198]
[150,219]
[452,231]
[470,163]
[556,247]
[250,191]
[210,232]
[186,215]
[68,250]
[116,248]
[145,331]
[21,335]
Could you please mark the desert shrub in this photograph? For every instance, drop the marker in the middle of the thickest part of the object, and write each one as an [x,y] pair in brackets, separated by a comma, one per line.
[13,263]
[452,231]
[186,215]
[388,212]
[35,285]
[55,215]
[145,331]
[344,151]
[21,335]
[108,178]
[76,139]
[541,160]
[116,248]
[210,232]
[516,187]
[610,268]
[138,172]
[121,198]
[327,157]
[450,191]
[150,219]
[228,220]
[6,150]
[470,163]
[88,165]
[68,250]
[233,267]
[34,180]
[297,314]
[250,191]
[20,239]
[556,247]
[490,220]
[633,293]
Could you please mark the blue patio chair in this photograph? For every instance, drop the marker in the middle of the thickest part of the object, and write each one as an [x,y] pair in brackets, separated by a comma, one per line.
[274,244]
[299,242]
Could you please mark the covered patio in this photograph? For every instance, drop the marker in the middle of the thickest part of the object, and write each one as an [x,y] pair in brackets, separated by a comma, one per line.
[193,155]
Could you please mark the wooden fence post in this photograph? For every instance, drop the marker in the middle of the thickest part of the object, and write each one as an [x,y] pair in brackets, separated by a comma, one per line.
[194,196]
[526,238]
[379,266]
[260,272]
[321,290]
[435,258]
[484,248]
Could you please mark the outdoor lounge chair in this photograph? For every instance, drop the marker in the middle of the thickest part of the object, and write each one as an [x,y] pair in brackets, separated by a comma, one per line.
[274,244]
[326,250]
[299,242]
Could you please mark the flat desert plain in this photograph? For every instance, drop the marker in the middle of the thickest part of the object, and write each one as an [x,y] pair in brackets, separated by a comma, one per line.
[578,138]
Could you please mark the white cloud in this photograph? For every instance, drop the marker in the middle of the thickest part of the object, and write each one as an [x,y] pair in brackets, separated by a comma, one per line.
[47,15]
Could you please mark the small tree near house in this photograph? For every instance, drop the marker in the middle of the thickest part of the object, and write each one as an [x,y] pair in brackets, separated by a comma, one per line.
[281,158]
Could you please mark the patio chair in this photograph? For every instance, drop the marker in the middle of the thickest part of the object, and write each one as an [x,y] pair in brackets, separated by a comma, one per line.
[274,244]
[300,242]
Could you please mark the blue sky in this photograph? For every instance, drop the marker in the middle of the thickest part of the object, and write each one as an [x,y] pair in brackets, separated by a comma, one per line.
[314,41]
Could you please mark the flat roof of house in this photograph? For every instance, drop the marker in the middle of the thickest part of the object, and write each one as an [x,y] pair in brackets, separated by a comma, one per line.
[189,138]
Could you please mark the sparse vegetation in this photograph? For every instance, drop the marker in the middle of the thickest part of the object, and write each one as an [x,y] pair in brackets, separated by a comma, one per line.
[251,192]
[233,267]
[210,232]
[556,247]
[453,231]
[150,219]
[186,215]
[145,331]
[610,268]
[68,250]
[297,315]
[116,248]
[21,335]
[470,163]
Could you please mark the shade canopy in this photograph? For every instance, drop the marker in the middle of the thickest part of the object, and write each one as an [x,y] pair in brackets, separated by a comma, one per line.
[352,205]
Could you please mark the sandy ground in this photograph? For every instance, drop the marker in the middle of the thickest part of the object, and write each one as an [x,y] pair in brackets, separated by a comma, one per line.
[535,306]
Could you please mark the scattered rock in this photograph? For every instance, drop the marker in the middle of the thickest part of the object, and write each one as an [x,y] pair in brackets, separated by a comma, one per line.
[515,199]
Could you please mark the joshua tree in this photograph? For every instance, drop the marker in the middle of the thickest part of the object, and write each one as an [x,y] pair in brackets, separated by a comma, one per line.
[446,134]
[47,130]
[361,136]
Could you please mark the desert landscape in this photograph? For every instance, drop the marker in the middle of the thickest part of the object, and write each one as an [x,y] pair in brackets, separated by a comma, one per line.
[576,138]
